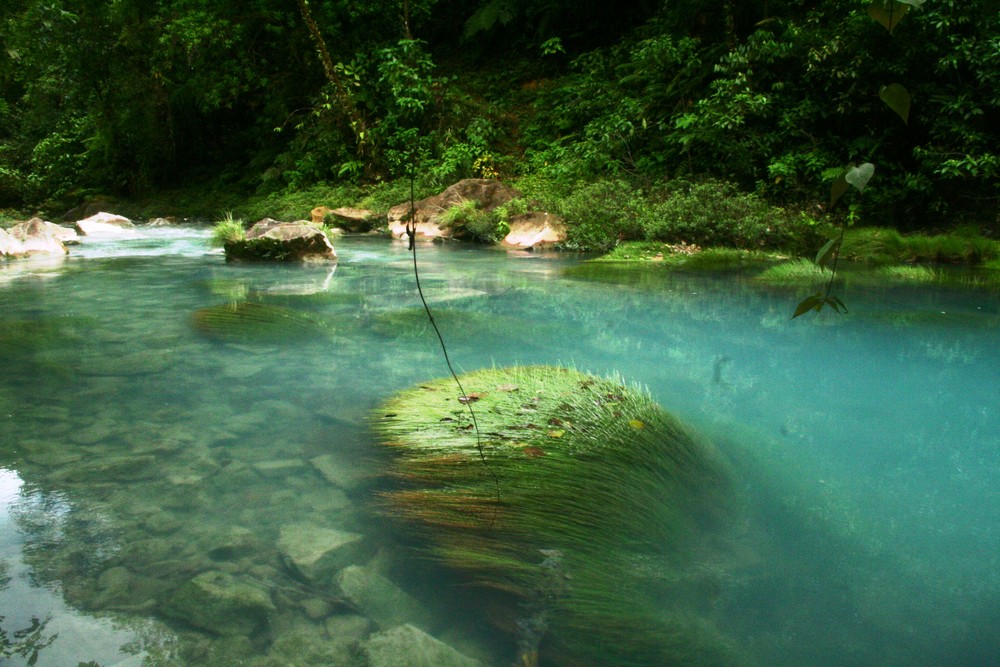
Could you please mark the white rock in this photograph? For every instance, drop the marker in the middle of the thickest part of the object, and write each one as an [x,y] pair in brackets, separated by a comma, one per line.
[105,224]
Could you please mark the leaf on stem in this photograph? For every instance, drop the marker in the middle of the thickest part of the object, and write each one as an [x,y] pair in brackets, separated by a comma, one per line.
[888,12]
[898,99]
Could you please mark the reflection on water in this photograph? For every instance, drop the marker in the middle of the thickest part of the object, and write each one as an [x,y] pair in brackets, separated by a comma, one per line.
[179,434]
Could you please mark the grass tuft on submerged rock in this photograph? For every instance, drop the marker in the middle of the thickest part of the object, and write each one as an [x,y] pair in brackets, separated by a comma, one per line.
[577,475]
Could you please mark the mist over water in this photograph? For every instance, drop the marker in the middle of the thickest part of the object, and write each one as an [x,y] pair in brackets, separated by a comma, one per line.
[142,444]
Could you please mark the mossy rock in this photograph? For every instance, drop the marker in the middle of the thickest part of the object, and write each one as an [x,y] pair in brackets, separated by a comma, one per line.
[574,477]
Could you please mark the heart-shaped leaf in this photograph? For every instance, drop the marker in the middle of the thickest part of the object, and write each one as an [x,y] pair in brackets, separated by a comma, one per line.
[898,99]
[860,175]
[888,12]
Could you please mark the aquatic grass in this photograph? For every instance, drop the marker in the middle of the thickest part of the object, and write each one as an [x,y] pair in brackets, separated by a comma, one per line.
[587,467]
[245,322]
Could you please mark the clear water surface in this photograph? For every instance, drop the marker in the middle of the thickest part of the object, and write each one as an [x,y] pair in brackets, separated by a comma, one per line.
[139,450]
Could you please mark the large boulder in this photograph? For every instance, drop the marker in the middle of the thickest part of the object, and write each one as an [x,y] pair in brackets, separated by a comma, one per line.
[271,240]
[10,246]
[488,193]
[353,219]
[105,224]
[41,237]
[535,230]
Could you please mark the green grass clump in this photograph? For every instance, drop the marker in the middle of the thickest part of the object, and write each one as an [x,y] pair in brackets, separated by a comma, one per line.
[228,230]
[576,476]
[878,245]
[796,271]
[908,274]
[873,245]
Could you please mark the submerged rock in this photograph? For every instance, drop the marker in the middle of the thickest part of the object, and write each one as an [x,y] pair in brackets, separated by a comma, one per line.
[382,600]
[222,604]
[581,474]
[315,553]
[407,646]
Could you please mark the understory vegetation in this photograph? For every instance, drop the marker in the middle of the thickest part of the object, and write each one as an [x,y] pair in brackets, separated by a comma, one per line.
[709,124]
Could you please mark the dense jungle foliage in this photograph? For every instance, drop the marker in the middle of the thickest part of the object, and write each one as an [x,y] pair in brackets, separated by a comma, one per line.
[590,107]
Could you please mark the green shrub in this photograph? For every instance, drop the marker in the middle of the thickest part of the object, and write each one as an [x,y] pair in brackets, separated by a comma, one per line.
[484,226]
[598,215]
[716,214]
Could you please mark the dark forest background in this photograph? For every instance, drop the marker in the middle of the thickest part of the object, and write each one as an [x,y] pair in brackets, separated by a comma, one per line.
[254,97]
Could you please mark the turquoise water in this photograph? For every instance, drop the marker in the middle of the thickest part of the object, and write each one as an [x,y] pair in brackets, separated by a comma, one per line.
[141,446]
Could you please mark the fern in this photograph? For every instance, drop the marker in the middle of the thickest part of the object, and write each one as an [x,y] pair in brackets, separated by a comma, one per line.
[488,16]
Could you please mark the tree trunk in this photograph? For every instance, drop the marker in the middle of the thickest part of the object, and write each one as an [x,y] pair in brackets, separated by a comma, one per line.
[341,95]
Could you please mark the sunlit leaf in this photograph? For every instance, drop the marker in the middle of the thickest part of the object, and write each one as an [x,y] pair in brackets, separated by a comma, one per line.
[814,302]
[898,99]
[823,256]
[817,301]
[888,12]
[860,175]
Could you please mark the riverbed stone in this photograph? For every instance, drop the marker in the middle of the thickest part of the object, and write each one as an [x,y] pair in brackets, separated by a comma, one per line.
[305,647]
[222,604]
[232,544]
[408,646]
[315,553]
[279,467]
[382,600]
[336,471]
[348,627]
